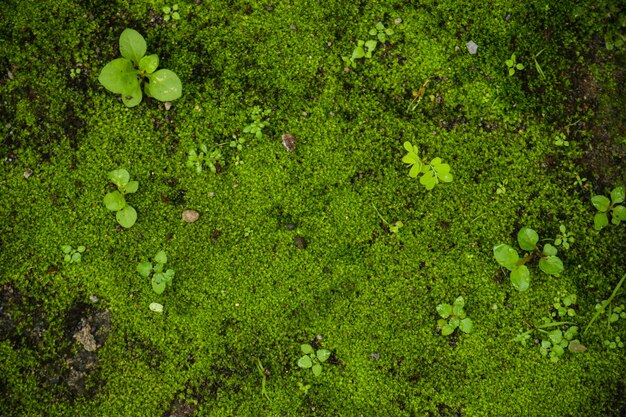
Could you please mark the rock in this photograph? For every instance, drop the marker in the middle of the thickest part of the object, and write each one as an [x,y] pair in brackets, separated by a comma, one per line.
[190,216]
[472,47]
[289,142]
[299,242]
[85,338]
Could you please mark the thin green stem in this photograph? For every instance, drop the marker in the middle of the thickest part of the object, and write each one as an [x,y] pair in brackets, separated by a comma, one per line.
[603,307]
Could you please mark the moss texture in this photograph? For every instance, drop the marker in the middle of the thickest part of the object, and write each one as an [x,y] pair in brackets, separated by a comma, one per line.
[296,248]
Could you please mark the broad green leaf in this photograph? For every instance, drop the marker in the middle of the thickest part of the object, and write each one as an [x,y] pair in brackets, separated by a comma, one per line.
[447,330]
[520,278]
[409,147]
[132,45]
[322,355]
[558,351]
[149,63]
[551,265]
[158,285]
[371,45]
[447,177]
[600,220]
[358,52]
[506,256]
[307,349]
[619,213]
[555,336]
[66,248]
[428,180]
[549,250]
[571,333]
[133,97]
[144,268]
[158,267]
[466,325]
[164,85]
[618,194]
[527,238]
[156,307]
[119,76]
[415,169]
[76,257]
[600,202]
[444,310]
[119,177]
[168,275]
[114,201]
[131,187]
[127,216]
[442,169]
[457,306]
[305,362]
[454,322]
[317,369]
[411,158]
[161,257]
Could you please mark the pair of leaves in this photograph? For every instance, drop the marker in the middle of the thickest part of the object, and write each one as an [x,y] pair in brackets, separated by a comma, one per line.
[431,173]
[125,214]
[160,278]
[313,359]
[456,317]
[379,31]
[513,65]
[123,75]
[605,206]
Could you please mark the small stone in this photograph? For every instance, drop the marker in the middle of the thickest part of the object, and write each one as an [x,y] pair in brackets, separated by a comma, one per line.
[28,173]
[289,142]
[291,226]
[299,242]
[85,338]
[93,299]
[397,21]
[472,47]
[190,216]
[168,105]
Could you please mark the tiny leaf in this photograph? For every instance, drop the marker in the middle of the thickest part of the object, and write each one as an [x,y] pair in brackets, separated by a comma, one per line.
[600,220]
[161,257]
[149,63]
[520,278]
[549,250]
[447,330]
[551,265]
[127,216]
[618,194]
[114,201]
[600,202]
[527,238]
[506,256]
[444,310]
[322,355]
[305,362]
[144,268]
[156,307]
[119,177]
[466,325]
[164,85]
[307,349]
[317,369]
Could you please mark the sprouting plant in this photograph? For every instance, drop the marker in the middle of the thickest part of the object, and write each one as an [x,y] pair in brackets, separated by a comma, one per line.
[502,187]
[259,121]
[602,307]
[563,238]
[606,206]
[75,72]
[198,159]
[527,239]
[237,142]
[580,181]
[304,387]
[160,278]
[393,228]
[363,49]
[170,13]
[125,75]
[432,172]
[72,255]
[453,317]
[555,341]
[537,66]
[513,65]
[116,200]
[313,359]
[380,32]
[564,306]
[561,139]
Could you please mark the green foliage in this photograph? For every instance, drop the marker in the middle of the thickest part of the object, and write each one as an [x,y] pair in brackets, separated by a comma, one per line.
[156,307]
[561,139]
[116,200]
[72,255]
[453,317]
[363,49]
[513,65]
[380,32]
[528,240]
[259,122]
[614,344]
[313,359]
[125,75]
[502,187]
[432,173]
[563,239]
[564,306]
[612,206]
[170,13]
[197,159]
[160,278]
[554,342]
[602,306]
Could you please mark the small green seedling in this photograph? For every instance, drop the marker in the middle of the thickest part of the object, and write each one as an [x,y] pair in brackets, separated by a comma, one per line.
[197,159]
[125,75]
[612,206]
[259,122]
[561,139]
[116,200]
[563,238]
[509,258]
[432,173]
[304,387]
[580,181]
[313,359]
[237,142]
[602,307]
[170,13]
[502,187]
[72,255]
[453,317]
[614,344]
[564,306]
[513,65]
[555,341]
[363,49]
[159,278]
[380,32]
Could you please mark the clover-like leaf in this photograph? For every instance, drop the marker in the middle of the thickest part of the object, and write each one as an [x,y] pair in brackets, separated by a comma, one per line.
[161,257]
[305,362]
[164,85]
[429,180]
[119,76]
[127,216]
[119,177]
[600,220]
[466,325]
[520,278]
[618,194]
[551,265]
[132,45]
[144,268]
[317,369]
[322,355]
[444,310]
[600,202]
[619,213]
[527,238]
[158,284]
[307,349]
[114,201]
[506,256]
[555,336]
[415,169]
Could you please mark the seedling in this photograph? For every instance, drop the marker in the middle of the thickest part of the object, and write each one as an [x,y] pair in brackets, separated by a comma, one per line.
[432,173]
[362,49]
[502,187]
[612,206]
[555,341]
[453,317]
[259,122]
[580,181]
[561,139]
[72,255]
[509,258]
[380,32]
[513,65]
[313,359]
[125,75]
[393,228]
[237,142]
[563,238]
[614,344]
[159,278]
[116,200]
[197,159]
[564,306]
[170,13]
[602,307]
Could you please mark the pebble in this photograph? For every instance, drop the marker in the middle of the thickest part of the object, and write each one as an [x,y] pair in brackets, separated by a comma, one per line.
[289,142]
[299,242]
[190,216]
[472,47]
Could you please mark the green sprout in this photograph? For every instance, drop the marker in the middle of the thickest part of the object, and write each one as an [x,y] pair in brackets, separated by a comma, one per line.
[612,206]
[125,214]
[72,255]
[380,32]
[432,173]
[313,359]
[513,65]
[160,278]
[453,317]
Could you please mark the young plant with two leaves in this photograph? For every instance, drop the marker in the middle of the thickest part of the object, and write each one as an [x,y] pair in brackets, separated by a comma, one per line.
[453,317]
[115,201]
[612,206]
[125,75]
[432,172]
[528,240]
[159,276]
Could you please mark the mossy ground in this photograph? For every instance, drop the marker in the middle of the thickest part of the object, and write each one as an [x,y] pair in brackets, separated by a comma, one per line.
[244,292]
